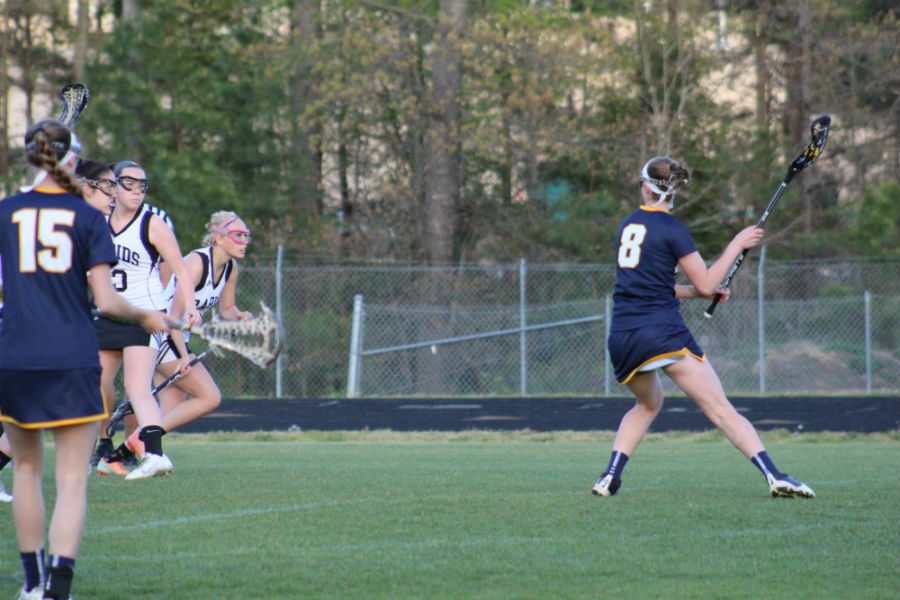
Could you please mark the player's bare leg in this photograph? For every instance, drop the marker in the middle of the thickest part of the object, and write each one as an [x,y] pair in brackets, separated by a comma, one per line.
[139,365]
[648,394]
[189,398]
[699,381]
[28,503]
[73,450]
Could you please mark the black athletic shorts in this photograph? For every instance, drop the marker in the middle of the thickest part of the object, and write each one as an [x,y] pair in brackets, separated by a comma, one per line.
[114,335]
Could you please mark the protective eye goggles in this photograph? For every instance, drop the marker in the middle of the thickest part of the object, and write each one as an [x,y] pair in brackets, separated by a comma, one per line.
[130,183]
[239,236]
[107,186]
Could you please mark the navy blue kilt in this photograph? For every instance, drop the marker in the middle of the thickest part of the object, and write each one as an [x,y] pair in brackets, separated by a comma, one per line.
[47,399]
[632,349]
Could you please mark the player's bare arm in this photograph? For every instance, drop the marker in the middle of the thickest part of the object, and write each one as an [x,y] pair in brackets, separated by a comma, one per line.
[109,302]
[705,280]
[228,309]
[164,241]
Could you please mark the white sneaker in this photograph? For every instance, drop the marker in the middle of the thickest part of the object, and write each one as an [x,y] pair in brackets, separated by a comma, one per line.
[152,465]
[35,594]
[4,495]
[606,486]
[786,486]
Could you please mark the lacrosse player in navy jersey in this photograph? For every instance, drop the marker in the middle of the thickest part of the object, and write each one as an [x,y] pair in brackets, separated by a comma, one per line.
[5,450]
[53,247]
[647,332]
[98,184]
[141,241]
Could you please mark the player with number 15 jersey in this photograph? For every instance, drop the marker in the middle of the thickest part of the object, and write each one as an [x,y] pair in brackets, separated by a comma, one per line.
[49,240]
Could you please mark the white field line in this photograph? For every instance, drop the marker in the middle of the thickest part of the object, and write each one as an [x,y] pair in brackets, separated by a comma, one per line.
[309,506]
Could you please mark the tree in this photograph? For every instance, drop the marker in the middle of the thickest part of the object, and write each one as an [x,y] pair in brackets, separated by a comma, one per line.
[443,169]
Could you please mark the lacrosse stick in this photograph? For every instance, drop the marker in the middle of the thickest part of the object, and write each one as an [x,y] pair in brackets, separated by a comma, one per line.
[75,97]
[819,133]
[258,339]
[124,408]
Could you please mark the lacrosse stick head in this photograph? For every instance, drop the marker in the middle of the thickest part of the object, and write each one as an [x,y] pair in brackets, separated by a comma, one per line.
[259,339]
[818,132]
[74,97]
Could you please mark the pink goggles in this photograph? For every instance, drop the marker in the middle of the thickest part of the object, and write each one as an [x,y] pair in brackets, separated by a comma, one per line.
[238,236]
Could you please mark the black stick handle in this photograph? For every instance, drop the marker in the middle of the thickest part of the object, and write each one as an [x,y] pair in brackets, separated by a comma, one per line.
[177,374]
[737,265]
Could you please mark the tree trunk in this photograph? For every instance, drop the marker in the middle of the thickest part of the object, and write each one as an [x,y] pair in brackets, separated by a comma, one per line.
[761,67]
[763,149]
[307,160]
[442,140]
[797,109]
[131,14]
[82,27]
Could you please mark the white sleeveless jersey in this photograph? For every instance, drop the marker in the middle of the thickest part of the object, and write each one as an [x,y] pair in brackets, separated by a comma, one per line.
[207,291]
[162,215]
[136,275]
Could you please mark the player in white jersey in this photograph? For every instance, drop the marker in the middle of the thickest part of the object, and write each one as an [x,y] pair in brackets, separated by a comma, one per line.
[214,272]
[162,214]
[141,241]
[98,177]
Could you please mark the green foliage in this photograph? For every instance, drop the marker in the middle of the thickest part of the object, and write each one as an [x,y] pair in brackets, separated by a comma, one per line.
[183,94]
[315,132]
[877,228]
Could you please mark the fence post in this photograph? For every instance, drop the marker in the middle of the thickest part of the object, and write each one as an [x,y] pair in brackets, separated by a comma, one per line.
[607,313]
[867,303]
[279,267]
[523,342]
[355,347]
[760,318]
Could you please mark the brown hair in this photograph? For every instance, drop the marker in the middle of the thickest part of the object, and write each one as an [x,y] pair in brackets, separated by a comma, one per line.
[92,169]
[46,143]
[666,173]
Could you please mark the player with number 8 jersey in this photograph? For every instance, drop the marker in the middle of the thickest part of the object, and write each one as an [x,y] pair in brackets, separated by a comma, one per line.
[645,278]
[648,334]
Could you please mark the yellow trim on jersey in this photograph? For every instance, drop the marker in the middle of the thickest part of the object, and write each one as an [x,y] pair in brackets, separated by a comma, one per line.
[54,424]
[683,352]
[653,208]
[105,401]
[47,190]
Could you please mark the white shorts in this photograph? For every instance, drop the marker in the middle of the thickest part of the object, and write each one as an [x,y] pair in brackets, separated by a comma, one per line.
[165,347]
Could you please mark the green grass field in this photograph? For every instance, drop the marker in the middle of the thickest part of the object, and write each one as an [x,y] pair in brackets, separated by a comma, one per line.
[384,515]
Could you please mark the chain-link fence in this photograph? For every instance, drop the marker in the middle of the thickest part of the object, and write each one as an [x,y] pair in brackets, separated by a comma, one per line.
[505,329]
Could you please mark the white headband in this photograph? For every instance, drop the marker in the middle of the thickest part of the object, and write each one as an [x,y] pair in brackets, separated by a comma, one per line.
[73,152]
[662,187]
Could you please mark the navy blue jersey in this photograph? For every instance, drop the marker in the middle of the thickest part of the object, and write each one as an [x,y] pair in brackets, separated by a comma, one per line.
[48,242]
[648,246]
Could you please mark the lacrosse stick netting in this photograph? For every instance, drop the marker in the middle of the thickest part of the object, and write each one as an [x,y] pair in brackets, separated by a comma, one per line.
[258,339]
